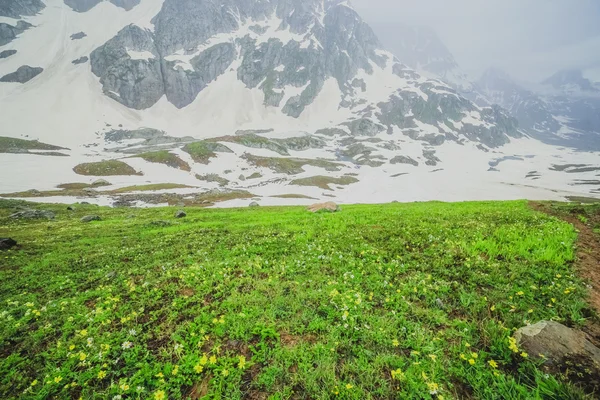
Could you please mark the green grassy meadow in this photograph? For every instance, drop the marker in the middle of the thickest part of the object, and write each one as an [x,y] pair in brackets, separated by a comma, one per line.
[398,301]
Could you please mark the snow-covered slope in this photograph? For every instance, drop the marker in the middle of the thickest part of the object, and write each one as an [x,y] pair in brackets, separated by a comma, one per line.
[80,72]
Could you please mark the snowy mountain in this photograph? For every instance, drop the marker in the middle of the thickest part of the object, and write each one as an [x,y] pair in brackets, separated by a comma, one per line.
[201,93]
[564,109]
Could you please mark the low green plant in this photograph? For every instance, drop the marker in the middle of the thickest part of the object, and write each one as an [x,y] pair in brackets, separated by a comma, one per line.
[407,301]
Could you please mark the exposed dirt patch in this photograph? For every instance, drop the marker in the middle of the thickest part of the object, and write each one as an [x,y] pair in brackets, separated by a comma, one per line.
[588,246]
[200,389]
[187,292]
[289,341]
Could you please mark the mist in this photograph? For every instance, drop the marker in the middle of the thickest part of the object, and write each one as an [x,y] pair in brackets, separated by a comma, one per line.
[530,40]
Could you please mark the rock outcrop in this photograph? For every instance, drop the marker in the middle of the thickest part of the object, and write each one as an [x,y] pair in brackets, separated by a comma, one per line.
[33,214]
[7,53]
[90,218]
[23,74]
[7,243]
[324,207]
[9,32]
[19,8]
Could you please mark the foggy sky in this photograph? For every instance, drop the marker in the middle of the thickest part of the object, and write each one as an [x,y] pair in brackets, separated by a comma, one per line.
[530,39]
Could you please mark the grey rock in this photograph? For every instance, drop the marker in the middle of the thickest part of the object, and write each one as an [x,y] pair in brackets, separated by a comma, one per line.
[23,74]
[86,5]
[80,60]
[431,158]
[242,178]
[82,5]
[254,204]
[555,342]
[100,182]
[7,53]
[332,132]
[404,160]
[19,8]
[7,243]
[122,203]
[182,86]
[33,214]
[9,32]
[70,208]
[364,127]
[135,83]
[328,207]
[127,5]
[78,35]
[90,218]
[180,214]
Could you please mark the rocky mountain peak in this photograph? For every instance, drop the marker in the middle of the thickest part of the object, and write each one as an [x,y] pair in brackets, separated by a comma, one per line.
[570,81]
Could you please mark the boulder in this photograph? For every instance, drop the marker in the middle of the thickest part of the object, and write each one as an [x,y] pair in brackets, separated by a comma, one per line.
[78,35]
[33,214]
[329,206]
[101,182]
[122,203]
[180,214]
[254,204]
[70,208]
[80,60]
[23,74]
[90,218]
[7,243]
[560,347]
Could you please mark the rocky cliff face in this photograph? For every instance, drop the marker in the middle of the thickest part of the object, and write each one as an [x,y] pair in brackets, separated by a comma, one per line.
[287,50]
[9,32]
[564,110]
[20,8]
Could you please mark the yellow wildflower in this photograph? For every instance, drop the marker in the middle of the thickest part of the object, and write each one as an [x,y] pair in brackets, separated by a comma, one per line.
[203,360]
[212,359]
[242,362]
[198,368]
[159,395]
[101,374]
[474,355]
[349,386]
[124,387]
[35,382]
[433,387]
[58,379]
[225,372]
[72,347]
[520,293]
[524,355]
[82,356]
[471,361]
[395,343]
[398,374]
[493,364]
